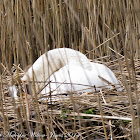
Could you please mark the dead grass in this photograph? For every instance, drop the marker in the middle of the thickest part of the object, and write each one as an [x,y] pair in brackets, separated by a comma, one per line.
[83,117]
[107,32]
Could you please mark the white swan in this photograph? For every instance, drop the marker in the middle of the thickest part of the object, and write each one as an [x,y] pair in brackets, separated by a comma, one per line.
[52,61]
[73,77]
[69,70]
[13,89]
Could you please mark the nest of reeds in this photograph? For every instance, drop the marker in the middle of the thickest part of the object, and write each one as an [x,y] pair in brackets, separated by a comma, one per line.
[104,114]
[105,30]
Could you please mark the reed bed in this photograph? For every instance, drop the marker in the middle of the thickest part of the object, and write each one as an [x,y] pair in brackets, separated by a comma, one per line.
[106,31]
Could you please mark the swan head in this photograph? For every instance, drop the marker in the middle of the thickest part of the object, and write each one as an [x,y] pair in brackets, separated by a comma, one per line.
[17,90]
[14,91]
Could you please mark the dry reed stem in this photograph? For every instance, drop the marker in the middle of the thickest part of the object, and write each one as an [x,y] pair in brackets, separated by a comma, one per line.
[107,31]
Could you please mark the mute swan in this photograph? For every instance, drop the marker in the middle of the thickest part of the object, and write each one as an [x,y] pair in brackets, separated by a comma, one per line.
[52,61]
[13,89]
[73,77]
[69,70]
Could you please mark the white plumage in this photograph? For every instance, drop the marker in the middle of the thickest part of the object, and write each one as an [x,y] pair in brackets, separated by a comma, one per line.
[69,70]
[13,90]
[52,61]
[73,77]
